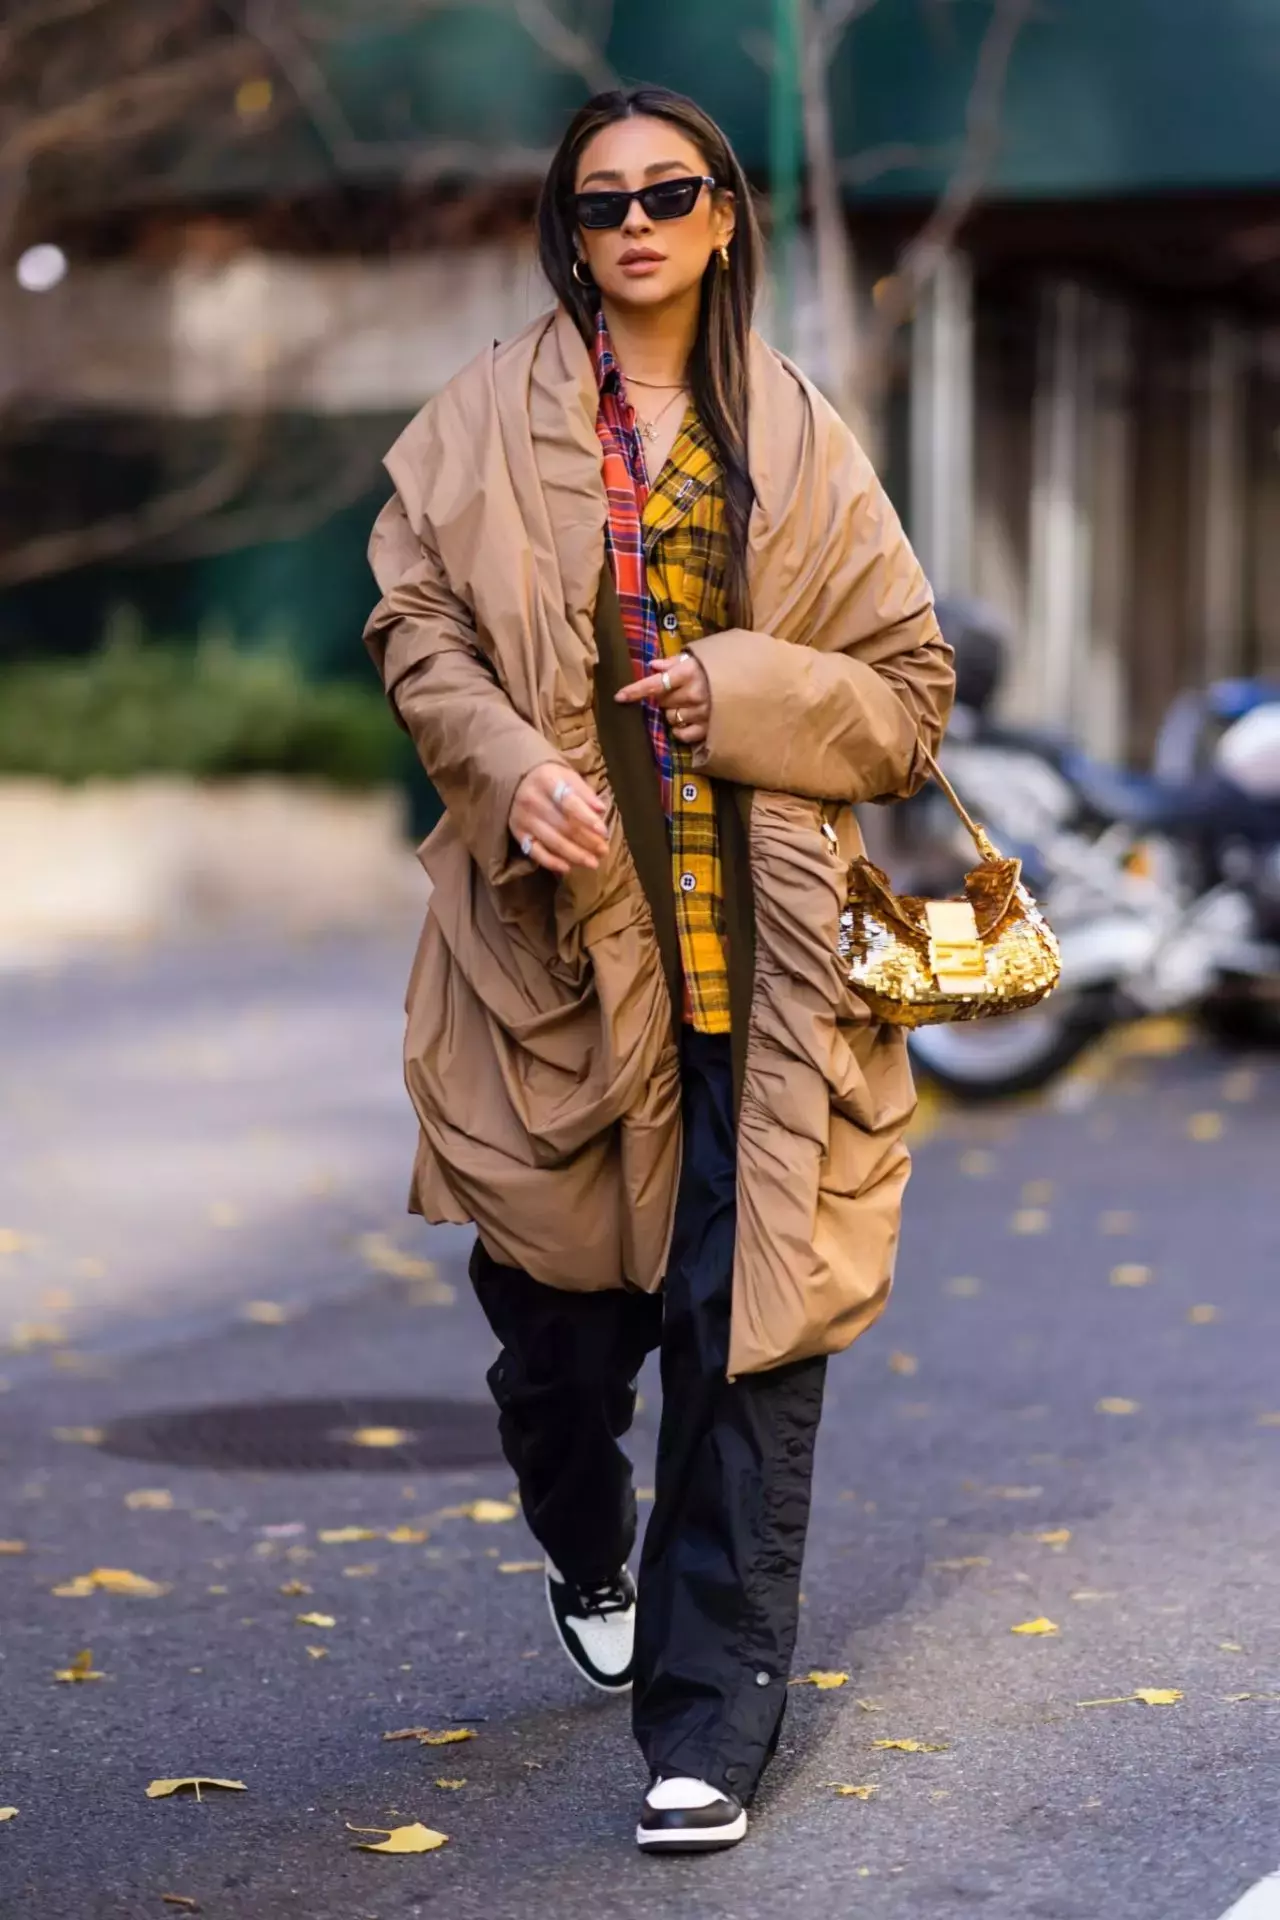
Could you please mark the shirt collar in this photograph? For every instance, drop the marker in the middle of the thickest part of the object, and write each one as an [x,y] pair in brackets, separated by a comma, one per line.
[608,372]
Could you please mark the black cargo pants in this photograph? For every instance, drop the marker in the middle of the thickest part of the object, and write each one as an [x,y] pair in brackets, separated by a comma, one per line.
[720,1567]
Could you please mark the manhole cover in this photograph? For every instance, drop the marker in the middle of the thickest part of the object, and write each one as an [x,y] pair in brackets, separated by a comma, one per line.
[334,1436]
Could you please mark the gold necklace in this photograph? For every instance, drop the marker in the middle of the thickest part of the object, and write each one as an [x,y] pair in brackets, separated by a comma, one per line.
[649,428]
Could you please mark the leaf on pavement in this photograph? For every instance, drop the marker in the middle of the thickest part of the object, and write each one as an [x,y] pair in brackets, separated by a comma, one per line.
[1029,1220]
[182,1900]
[1202,1316]
[80,1436]
[361,1572]
[161,1789]
[8,1813]
[851,1793]
[12,1546]
[81,1668]
[451,1786]
[292,1588]
[909,1746]
[487,1512]
[110,1580]
[315,1620]
[411,1839]
[1040,1626]
[407,1536]
[1130,1274]
[318,1653]
[380,1437]
[903,1363]
[1013,1493]
[450,1737]
[1230,1646]
[1056,1537]
[156,1499]
[1146,1696]
[818,1677]
[958,1566]
[1205,1126]
[521,1566]
[1113,1404]
[346,1536]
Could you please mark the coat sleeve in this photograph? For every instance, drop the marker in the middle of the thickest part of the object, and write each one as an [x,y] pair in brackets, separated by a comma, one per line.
[472,742]
[844,718]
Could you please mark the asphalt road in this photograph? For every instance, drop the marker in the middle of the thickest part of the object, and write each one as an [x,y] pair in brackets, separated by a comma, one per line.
[188,1135]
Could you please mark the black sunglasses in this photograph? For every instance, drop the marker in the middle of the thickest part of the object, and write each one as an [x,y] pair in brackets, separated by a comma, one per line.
[667,200]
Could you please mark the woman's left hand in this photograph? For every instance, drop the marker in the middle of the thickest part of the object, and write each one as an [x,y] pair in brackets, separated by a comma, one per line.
[683,692]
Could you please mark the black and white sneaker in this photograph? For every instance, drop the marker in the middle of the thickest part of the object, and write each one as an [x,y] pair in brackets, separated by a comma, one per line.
[597,1627]
[689,1816]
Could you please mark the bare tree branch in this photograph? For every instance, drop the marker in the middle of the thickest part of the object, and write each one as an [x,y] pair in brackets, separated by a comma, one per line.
[832,20]
[570,50]
[940,231]
[860,169]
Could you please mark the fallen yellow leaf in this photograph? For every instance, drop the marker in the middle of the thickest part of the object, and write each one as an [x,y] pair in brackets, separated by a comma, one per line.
[1030,1220]
[315,1620]
[379,1251]
[407,1536]
[318,1653]
[35,1333]
[851,1793]
[1202,1316]
[110,1580]
[520,1566]
[8,1813]
[1013,1493]
[13,1546]
[159,1499]
[345,1536]
[1090,1593]
[487,1512]
[81,1668]
[1040,1626]
[1230,1646]
[1130,1275]
[1111,1405]
[903,1363]
[1205,1126]
[161,1789]
[1056,1537]
[1158,1696]
[292,1588]
[380,1437]
[265,1313]
[362,1572]
[412,1839]
[451,1786]
[80,1436]
[824,1681]
[958,1566]
[425,1738]
[909,1746]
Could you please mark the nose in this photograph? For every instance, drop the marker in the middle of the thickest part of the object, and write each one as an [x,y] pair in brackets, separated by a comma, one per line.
[637,222]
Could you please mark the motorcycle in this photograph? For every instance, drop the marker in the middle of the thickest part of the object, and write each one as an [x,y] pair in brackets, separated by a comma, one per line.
[1164,889]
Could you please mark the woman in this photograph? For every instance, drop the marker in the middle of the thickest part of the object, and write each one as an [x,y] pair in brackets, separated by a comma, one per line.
[654,628]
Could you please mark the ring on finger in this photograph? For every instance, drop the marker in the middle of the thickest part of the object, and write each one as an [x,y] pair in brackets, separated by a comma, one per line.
[678,716]
[666,682]
[526,845]
[560,793]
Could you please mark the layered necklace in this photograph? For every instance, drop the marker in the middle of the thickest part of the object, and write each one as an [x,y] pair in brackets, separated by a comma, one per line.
[649,428]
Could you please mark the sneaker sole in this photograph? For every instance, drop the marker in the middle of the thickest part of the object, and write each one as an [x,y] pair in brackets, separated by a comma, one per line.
[601,1686]
[694,1840]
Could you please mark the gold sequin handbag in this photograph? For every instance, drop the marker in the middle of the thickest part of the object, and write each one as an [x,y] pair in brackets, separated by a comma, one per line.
[918,962]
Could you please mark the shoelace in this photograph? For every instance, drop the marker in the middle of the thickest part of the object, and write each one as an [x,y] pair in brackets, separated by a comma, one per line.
[611,1597]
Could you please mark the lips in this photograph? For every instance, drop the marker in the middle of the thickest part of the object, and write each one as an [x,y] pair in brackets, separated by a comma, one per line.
[639,257]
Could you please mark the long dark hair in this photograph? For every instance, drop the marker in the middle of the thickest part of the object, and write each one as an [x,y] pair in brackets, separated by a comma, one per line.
[718,366]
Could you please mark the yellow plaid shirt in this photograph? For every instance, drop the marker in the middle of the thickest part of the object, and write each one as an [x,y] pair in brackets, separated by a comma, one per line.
[686,552]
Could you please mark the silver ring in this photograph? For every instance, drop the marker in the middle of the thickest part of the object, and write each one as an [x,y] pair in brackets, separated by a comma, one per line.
[666,682]
[526,845]
[562,788]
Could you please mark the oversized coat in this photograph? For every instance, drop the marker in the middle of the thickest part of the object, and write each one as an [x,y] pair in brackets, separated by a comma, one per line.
[541,1047]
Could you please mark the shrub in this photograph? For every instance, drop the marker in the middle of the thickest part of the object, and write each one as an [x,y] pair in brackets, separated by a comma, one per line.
[210,712]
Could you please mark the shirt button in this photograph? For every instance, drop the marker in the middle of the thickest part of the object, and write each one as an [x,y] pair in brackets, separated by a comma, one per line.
[688,791]
[688,882]
[671,621]
[763,1679]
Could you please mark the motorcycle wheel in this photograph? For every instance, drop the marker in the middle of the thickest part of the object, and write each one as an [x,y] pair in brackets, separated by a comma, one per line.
[979,1060]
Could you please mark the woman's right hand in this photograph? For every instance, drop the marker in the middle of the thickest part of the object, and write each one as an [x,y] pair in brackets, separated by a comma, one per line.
[557,820]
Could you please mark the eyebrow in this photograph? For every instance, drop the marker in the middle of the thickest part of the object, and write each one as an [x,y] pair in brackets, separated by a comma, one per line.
[657,166]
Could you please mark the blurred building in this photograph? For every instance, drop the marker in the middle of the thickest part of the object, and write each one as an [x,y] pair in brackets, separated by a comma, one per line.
[1082,422]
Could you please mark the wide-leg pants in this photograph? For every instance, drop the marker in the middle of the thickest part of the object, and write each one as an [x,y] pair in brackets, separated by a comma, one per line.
[720,1567]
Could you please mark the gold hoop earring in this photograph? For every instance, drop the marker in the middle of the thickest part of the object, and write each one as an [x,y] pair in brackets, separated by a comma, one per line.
[579,262]
[724,258]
